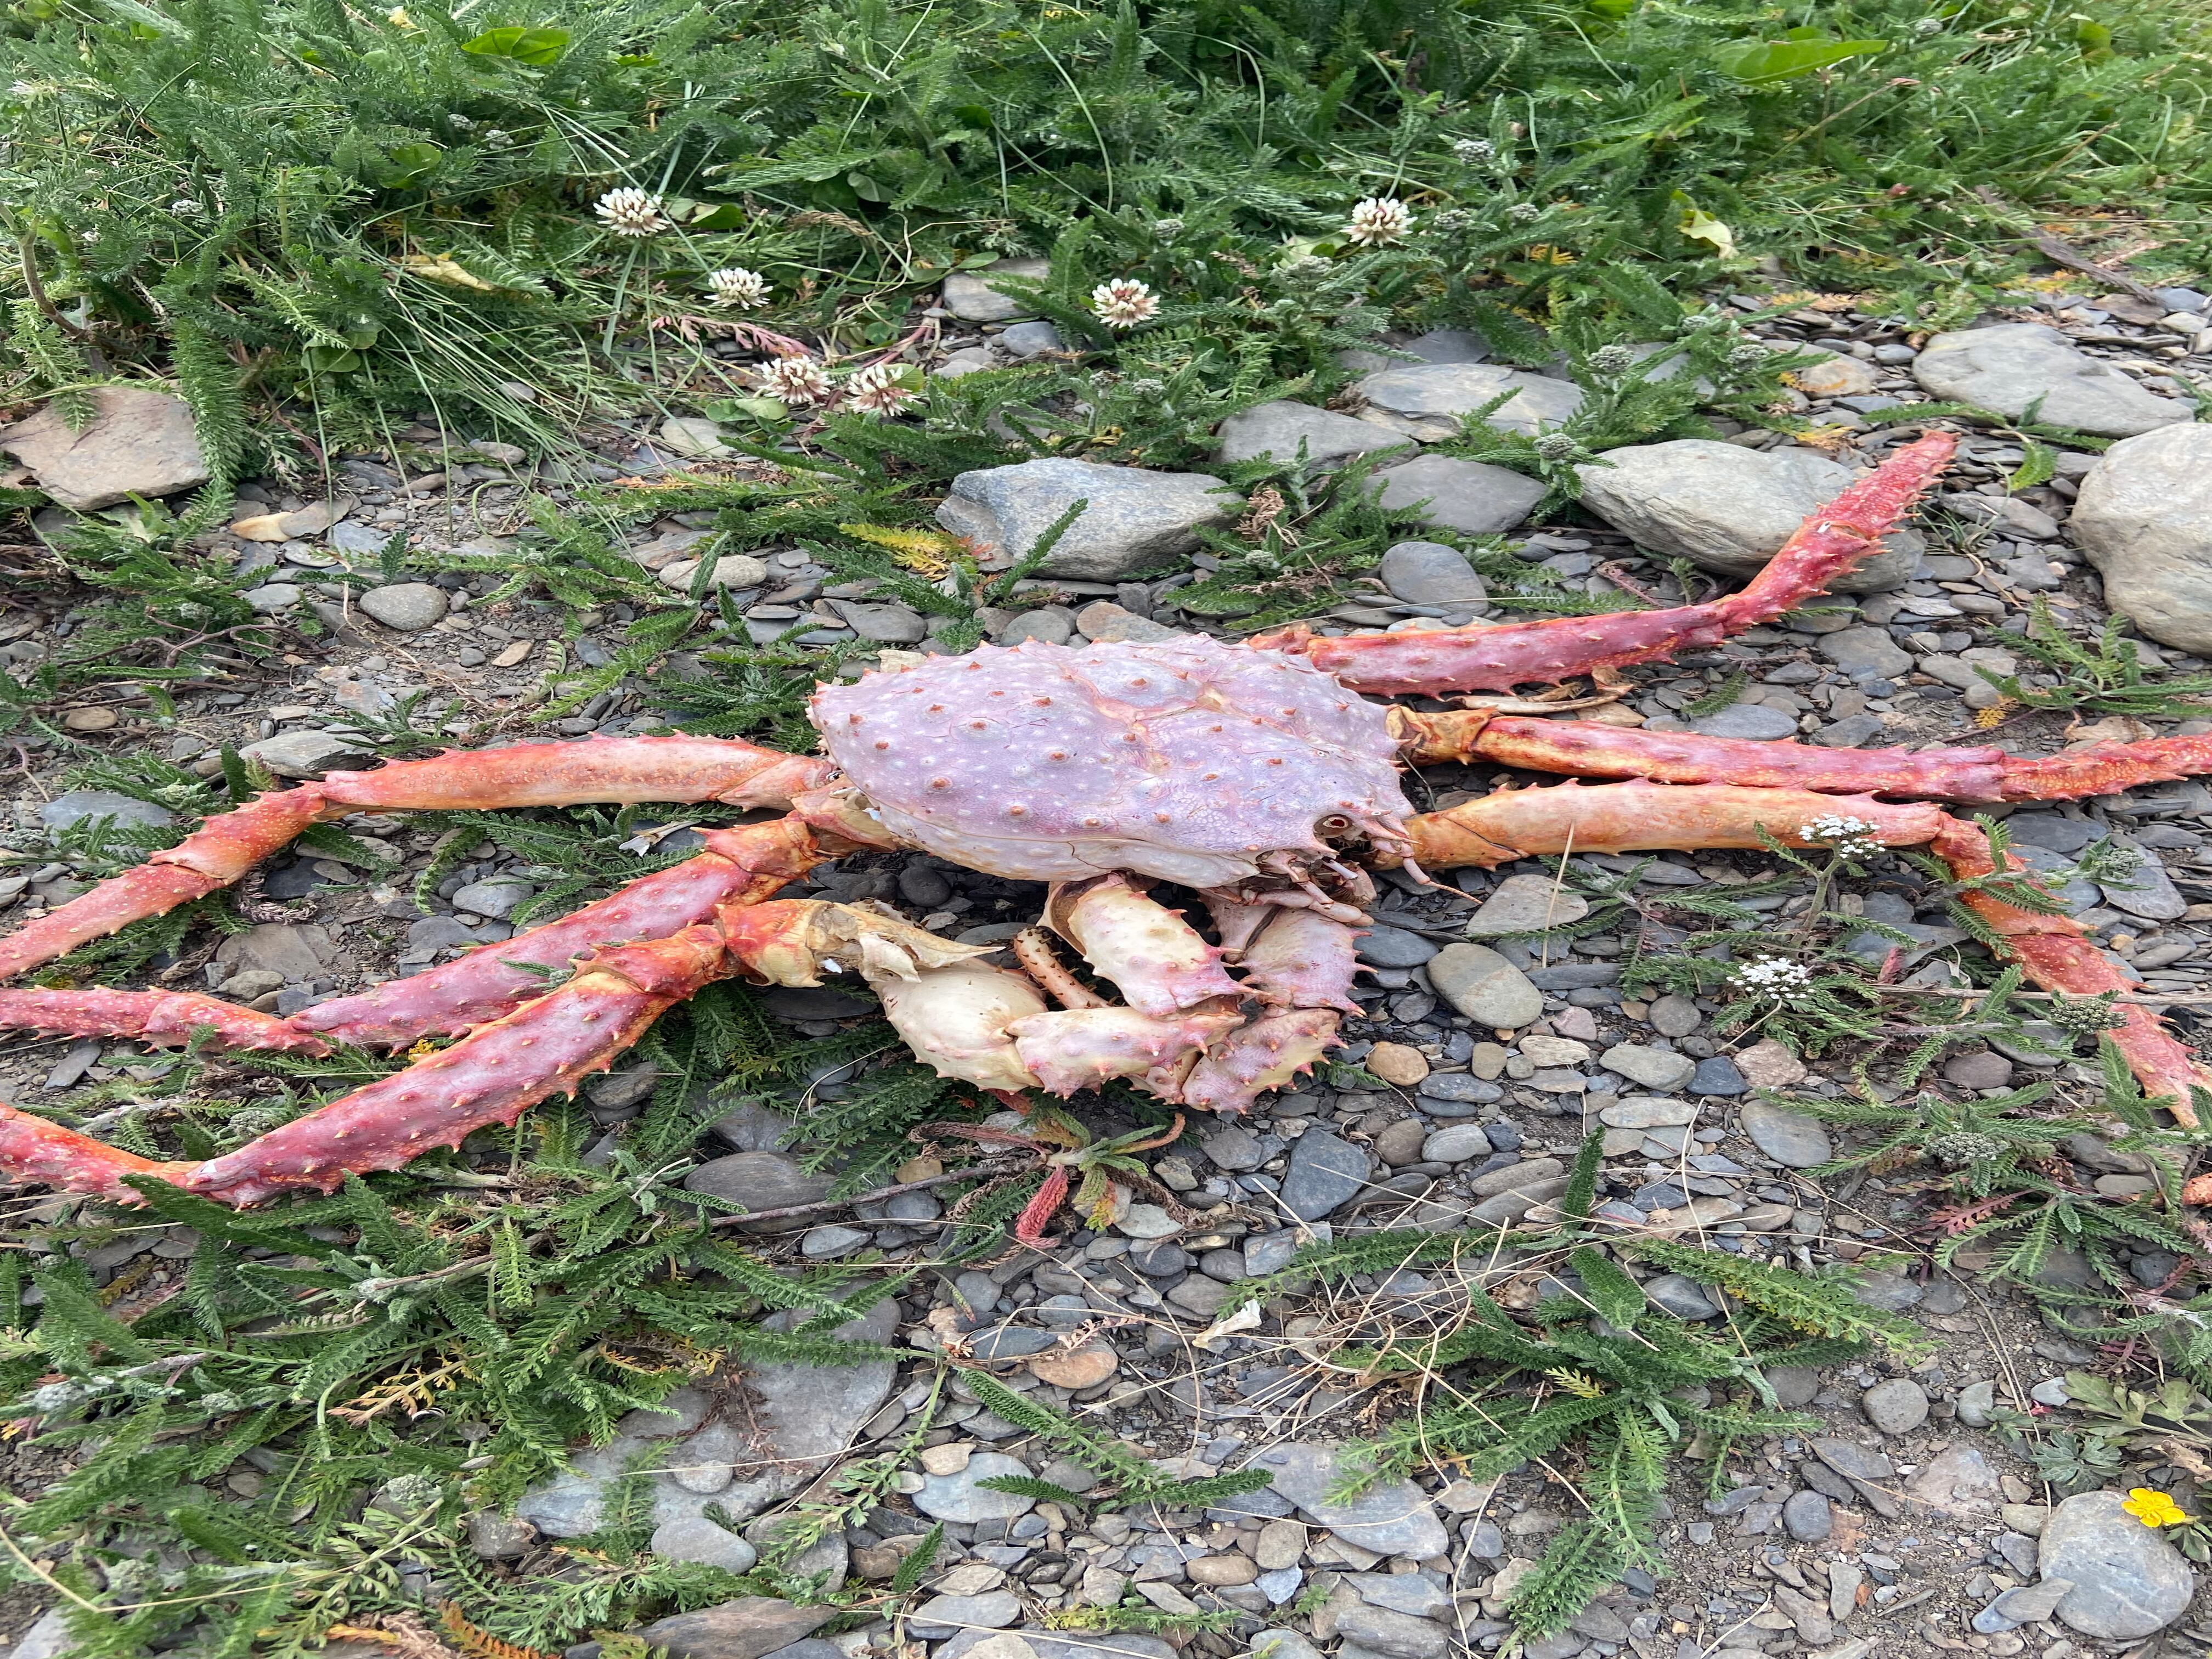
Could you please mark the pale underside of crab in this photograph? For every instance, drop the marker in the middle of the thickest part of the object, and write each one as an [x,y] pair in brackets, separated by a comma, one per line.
[1259,777]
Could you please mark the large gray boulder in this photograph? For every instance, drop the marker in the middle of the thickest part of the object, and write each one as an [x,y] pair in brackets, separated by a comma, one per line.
[1279,429]
[140,443]
[1135,519]
[1428,401]
[2128,1581]
[2008,367]
[1729,509]
[2144,517]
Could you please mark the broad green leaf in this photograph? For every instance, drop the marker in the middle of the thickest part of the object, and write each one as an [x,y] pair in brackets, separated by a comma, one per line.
[1762,63]
[536,46]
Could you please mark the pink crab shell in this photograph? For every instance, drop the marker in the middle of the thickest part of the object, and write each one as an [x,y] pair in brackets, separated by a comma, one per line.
[1187,760]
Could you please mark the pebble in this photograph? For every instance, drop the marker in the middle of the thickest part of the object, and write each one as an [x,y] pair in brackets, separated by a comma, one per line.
[957,1496]
[1397,1064]
[498,897]
[1456,1143]
[2128,1582]
[1672,1015]
[1746,720]
[1486,988]
[1680,1296]
[695,1538]
[305,752]
[1391,1517]
[1896,1406]
[1075,1368]
[407,607]
[1283,429]
[1471,497]
[1807,1518]
[1136,517]
[1717,1075]
[1384,946]
[1866,652]
[1976,1401]
[1790,1138]
[1654,1068]
[1527,904]
[1323,1173]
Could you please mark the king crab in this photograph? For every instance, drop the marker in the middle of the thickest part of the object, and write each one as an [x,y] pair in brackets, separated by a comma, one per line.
[1257,774]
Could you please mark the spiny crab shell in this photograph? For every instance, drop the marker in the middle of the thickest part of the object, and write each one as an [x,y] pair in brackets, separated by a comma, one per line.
[1187,760]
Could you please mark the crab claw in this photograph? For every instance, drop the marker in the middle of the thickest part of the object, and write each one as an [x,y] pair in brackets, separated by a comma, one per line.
[1159,961]
[955,1019]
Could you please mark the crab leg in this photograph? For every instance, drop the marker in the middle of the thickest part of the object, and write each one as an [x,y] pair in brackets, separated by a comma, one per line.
[1497,659]
[679,769]
[1585,748]
[1159,961]
[545,1047]
[1640,815]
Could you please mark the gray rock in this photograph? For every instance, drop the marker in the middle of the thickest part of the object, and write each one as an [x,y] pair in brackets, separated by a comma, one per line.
[1527,904]
[1898,1405]
[1849,732]
[824,1244]
[695,1538]
[1429,573]
[1976,1401]
[1957,1480]
[1135,519]
[270,597]
[48,1639]
[498,896]
[2025,1604]
[1716,1074]
[1456,1143]
[1730,509]
[1452,345]
[2147,891]
[306,752]
[1384,1630]
[1790,1138]
[494,1537]
[1324,1172]
[1473,497]
[958,1497]
[298,951]
[1279,429]
[1232,1147]
[407,607]
[1426,401]
[1027,339]
[1674,1016]
[1391,1517]
[944,1615]
[1680,1296]
[1418,1593]
[883,624]
[1483,986]
[1053,624]
[141,442]
[74,805]
[2144,518]
[1746,720]
[574,1501]
[2008,367]
[744,1629]
[1384,946]
[760,1181]
[2128,1581]
[734,571]
[1654,1068]
[969,295]
[1807,1518]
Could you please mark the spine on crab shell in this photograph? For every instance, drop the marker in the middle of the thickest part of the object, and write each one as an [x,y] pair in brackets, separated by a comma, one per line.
[1644,817]
[544,1048]
[34,1149]
[1497,659]
[1590,748]
[2059,956]
[213,856]
[740,866]
[630,770]
[162,1017]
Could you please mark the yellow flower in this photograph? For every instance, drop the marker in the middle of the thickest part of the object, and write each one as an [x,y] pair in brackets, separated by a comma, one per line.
[2154,1508]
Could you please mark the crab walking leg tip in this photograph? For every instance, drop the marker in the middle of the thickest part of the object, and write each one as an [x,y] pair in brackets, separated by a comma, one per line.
[34,1149]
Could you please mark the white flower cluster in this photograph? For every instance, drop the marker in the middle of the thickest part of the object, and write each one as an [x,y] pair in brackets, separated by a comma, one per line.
[1379,221]
[797,382]
[736,288]
[631,212]
[1854,838]
[1774,976]
[880,390]
[1124,302]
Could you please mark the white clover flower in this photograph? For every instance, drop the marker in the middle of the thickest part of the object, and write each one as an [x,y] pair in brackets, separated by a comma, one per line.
[1379,221]
[1778,977]
[1854,838]
[1124,303]
[796,382]
[880,390]
[736,288]
[631,212]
